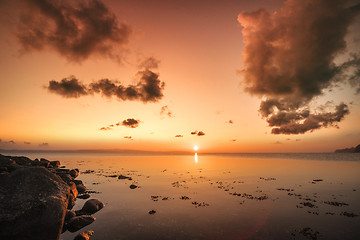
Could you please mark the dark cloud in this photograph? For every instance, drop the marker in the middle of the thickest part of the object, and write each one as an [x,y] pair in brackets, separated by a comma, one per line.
[200,133]
[129,137]
[289,60]
[131,123]
[166,111]
[233,140]
[74,29]
[178,136]
[194,132]
[68,87]
[44,145]
[230,122]
[148,89]
[11,142]
[27,143]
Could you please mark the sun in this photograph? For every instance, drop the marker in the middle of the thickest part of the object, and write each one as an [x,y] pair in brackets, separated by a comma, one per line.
[196,148]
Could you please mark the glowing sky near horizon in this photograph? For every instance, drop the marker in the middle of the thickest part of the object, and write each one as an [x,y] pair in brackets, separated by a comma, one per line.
[179,74]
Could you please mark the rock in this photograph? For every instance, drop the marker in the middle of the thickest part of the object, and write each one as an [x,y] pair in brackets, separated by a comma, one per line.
[77,182]
[84,235]
[23,161]
[74,173]
[81,188]
[33,203]
[69,214]
[124,177]
[152,212]
[84,196]
[73,189]
[44,162]
[55,163]
[71,202]
[76,223]
[65,177]
[133,186]
[90,207]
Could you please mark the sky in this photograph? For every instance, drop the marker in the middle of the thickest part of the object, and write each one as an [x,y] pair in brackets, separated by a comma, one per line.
[226,76]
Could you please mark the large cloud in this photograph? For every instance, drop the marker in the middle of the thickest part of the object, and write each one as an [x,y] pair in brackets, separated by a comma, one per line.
[148,89]
[74,29]
[289,60]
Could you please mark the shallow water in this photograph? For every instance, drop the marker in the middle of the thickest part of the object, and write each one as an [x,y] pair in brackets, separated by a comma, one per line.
[231,196]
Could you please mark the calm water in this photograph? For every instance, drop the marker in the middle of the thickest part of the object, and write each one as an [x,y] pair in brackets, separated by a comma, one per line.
[231,196]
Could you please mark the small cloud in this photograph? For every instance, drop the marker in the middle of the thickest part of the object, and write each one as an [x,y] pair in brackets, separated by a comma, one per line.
[150,62]
[233,140]
[27,143]
[179,136]
[288,139]
[129,137]
[44,145]
[200,133]
[165,111]
[131,123]
[219,112]
[112,125]
[278,142]
[230,122]
[297,140]
[194,132]
[11,142]
[105,128]
[68,87]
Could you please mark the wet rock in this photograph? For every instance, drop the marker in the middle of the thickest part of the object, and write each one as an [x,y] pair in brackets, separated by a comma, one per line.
[309,233]
[55,164]
[90,207]
[78,182]
[152,212]
[124,177]
[84,196]
[184,198]
[133,186]
[76,223]
[347,214]
[71,201]
[33,204]
[65,177]
[69,214]
[44,162]
[73,189]
[88,171]
[81,188]
[23,161]
[308,204]
[74,173]
[318,180]
[337,204]
[84,235]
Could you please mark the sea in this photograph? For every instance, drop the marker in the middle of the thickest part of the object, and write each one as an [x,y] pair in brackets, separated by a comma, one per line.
[219,196]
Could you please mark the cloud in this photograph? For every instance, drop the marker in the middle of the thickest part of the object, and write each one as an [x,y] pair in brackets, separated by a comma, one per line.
[166,111]
[230,122]
[289,59]
[179,136]
[27,143]
[194,132]
[131,123]
[129,137]
[105,128]
[44,145]
[68,87]
[200,133]
[11,142]
[148,89]
[148,63]
[74,29]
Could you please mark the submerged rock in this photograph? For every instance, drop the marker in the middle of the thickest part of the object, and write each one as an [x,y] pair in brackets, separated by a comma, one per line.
[33,202]
[84,235]
[84,196]
[133,186]
[76,223]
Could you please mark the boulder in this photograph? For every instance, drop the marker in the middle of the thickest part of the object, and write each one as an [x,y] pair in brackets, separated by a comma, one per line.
[74,173]
[23,161]
[33,203]
[73,189]
[90,207]
[76,223]
[69,214]
[55,163]
[83,196]
[81,188]
[84,235]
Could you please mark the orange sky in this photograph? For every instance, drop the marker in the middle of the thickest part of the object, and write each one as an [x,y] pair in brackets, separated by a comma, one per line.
[200,46]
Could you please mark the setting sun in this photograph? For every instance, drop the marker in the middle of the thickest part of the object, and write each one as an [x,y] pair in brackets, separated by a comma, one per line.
[196,148]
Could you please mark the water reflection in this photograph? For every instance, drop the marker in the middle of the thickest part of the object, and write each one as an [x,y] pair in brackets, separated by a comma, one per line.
[196,158]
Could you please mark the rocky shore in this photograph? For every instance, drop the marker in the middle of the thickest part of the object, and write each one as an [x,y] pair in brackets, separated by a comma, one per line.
[36,198]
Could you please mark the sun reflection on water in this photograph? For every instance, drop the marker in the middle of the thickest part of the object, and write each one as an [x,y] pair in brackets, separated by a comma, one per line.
[196,158]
